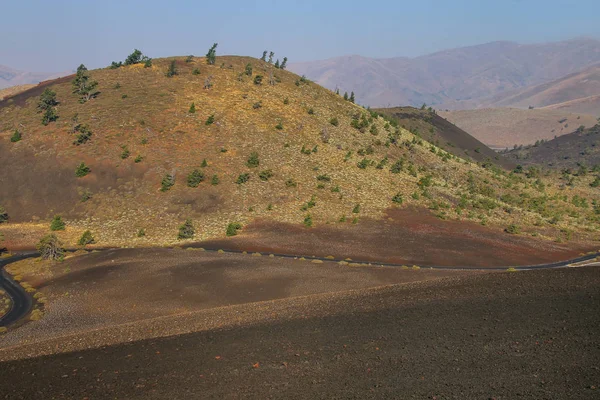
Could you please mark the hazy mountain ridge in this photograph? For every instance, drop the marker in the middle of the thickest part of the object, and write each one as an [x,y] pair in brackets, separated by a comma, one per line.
[11,77]
[464,74]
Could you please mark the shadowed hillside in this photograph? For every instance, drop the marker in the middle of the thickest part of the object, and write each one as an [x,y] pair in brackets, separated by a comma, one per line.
[580,148]
[233,142]
[444,134]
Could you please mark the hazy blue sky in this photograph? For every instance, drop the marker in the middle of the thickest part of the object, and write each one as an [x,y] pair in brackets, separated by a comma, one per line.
[43,35]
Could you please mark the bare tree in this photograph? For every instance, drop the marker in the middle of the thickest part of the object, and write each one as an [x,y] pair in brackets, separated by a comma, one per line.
[208,82]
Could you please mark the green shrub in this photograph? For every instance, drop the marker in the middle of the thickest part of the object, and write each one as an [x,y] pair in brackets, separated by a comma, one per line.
[83,136]
[364,163]
[186,231]
[286,101]
[204,163]
[57,224]
[233,228]
[243,178]
[141,232]
[290,183]
[3,215]
[258,79]
[138,159]
[86,238]
[253,161]
[16,136]
[172,71]
[82,170]
[248,69]
[210,119]
[512,229]
[311,111]
[308,222]
[192,109]
[196,71]
[167,182]
[323,178]
[50,248]
[397,167]
[397,199]
[194,178]
[356,209]
[125,153]
[265,175]
[214,180]
[334,121]
[279,126]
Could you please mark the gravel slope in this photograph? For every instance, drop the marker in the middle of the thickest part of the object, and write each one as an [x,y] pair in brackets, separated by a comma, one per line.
[529,335]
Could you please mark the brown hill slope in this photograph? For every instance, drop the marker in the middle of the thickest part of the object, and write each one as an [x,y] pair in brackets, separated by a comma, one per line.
[444,134]
[321,160]
[464,74]
[578,148]
[505,127]
[571,92]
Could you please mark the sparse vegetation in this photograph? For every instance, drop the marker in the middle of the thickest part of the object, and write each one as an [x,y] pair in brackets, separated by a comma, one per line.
[186,231]
[194,178]
[233,228]
[3,215]
[86,238]
[82,170]
[253,160]
[243,178]
[16,136]
[167,182]
[57,224]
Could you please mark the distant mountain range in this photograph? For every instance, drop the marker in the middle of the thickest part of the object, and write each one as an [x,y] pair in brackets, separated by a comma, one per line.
[468,77]
[11,77]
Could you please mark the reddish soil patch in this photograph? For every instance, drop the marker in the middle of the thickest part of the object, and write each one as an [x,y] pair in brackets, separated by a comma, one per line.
[406,236]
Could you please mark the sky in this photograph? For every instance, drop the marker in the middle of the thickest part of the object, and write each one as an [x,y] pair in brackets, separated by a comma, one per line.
[58,35]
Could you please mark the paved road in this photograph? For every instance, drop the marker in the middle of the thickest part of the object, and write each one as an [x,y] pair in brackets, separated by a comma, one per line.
[21,301]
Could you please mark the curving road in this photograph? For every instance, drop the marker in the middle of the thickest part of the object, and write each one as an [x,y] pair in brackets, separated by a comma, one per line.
[22,301]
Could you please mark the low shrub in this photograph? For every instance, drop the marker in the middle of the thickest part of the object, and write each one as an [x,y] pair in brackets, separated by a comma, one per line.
[233,228]
[186,231]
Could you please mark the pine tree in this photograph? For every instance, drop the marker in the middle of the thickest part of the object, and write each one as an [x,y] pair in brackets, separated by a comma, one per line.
[345,95]
[46,105]
[271,54]
[57,224]
[172,71]
[211,56]
[83,86]
[284,63]
[277,63]
[192,108]
[134,58]
[264,56]
[50,248]
[352,97]
[249,69]
[186,231]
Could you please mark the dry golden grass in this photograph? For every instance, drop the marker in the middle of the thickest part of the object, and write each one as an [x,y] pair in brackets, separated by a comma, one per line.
[148,113]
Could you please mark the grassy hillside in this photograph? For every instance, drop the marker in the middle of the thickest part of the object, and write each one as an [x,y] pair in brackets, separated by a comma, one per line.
[318,160]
